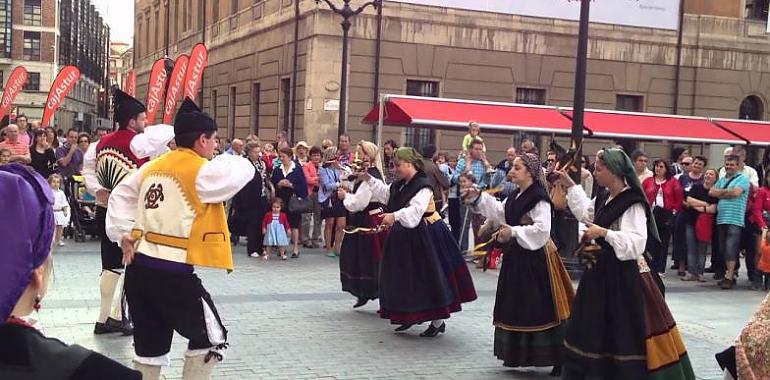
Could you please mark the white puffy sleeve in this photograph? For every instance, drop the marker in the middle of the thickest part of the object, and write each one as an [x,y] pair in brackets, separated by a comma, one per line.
[121,207]
[379,189]
[89,170]
[355,202]
[580,205]
[491,208]
[631,240]
[223,177]
[536,235]
[411,215]
[153,141]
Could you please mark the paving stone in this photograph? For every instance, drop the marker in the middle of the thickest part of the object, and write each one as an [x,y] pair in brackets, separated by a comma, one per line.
[290,320]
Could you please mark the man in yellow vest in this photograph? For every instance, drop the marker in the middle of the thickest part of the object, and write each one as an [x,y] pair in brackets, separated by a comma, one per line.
[168,217]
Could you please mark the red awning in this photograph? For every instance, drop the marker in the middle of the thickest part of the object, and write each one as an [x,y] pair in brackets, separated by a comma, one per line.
[755,132]
[456,113]
[647,126]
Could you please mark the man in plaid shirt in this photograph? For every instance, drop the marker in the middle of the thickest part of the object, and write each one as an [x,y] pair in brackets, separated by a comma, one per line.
[478,167]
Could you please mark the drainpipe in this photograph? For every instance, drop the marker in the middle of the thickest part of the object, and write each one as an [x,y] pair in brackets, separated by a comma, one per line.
[678,71]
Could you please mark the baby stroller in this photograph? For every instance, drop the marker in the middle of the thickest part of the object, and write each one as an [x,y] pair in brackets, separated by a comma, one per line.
[83,209]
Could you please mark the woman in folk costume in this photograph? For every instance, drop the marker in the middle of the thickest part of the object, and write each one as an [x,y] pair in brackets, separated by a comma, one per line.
[620,326]
[361,250]
[534,291]
[750,357]
[423,277]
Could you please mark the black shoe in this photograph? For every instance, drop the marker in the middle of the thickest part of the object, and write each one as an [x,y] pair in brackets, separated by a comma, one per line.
[556,371]
[103,328]
[361,302]
[124,326]
[674,266]
[403,327]
[709,270]
[432,331]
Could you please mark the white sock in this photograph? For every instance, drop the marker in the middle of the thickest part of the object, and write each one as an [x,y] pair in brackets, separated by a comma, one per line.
[116,309]
[107,284]
[437,322]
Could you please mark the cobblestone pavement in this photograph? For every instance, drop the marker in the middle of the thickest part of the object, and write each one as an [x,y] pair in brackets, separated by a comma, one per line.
[289,320]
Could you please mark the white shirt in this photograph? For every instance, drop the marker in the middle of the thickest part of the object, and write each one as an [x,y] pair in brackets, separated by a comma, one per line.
[355,202]
[411,215]
[630,240]
[150,143]
[217,181]
[530,237]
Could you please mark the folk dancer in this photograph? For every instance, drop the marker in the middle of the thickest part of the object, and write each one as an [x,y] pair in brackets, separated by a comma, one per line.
[105,164]
[169,216]
[423,275]
[361,251]
[534,291]
[620,326]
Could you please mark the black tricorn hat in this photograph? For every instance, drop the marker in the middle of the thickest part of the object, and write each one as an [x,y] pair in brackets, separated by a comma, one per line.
[191,118]
[126,106]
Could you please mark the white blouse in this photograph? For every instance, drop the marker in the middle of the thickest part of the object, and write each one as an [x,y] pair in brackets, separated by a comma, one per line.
[358,201]
[217,181]
[411,215]
[630,240]
[531,237]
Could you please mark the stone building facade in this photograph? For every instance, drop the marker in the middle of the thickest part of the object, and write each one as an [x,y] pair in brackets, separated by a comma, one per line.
[435,51]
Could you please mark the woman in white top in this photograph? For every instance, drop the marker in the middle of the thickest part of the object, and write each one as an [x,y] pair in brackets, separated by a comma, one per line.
[423,275]
[361,247]
[534,291]
[620,326]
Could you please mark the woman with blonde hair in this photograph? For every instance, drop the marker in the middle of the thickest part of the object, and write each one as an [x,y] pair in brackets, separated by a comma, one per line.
[361,249]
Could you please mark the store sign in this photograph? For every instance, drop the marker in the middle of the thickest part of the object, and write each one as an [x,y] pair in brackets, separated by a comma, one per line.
[661,14]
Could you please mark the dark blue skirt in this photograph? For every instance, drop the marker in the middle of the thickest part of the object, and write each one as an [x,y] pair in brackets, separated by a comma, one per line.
[423,275]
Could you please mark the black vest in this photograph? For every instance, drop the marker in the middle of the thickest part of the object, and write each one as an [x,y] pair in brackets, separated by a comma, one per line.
[516,208]
[607,214]
[401,192]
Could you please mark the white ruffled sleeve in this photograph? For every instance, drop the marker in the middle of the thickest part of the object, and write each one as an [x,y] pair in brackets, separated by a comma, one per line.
[223,177]
[631,240]
[355,202]
[536,235]
[411,215]
[89,170]
[153,141]
[492,209]
[121,207]
[580,205]
[379,189]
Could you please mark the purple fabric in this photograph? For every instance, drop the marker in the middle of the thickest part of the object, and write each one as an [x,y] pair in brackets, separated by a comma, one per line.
[26,230]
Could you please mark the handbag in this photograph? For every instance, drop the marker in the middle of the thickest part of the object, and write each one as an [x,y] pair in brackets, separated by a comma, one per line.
[300,205]
[704,226]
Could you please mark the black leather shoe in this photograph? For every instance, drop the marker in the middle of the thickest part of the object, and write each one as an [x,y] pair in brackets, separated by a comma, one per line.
[361,302]
[556,371]
[124,326]
[403,327]
[103,328]
[432,331]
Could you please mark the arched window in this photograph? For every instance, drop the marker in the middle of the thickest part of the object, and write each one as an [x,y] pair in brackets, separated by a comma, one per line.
[751,108]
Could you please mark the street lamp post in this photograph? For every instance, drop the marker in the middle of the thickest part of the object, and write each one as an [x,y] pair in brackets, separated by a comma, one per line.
[347,13]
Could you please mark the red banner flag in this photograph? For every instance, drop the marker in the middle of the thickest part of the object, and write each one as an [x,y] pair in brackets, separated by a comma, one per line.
[198,60]
[177,79]
[61,86]
[12,88]
[130,87]
[155,88]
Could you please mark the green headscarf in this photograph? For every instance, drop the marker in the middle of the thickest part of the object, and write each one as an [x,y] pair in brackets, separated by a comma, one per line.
[620,165]
[408,154]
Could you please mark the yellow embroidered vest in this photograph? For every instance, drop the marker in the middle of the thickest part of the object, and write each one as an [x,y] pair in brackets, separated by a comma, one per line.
[171,223]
